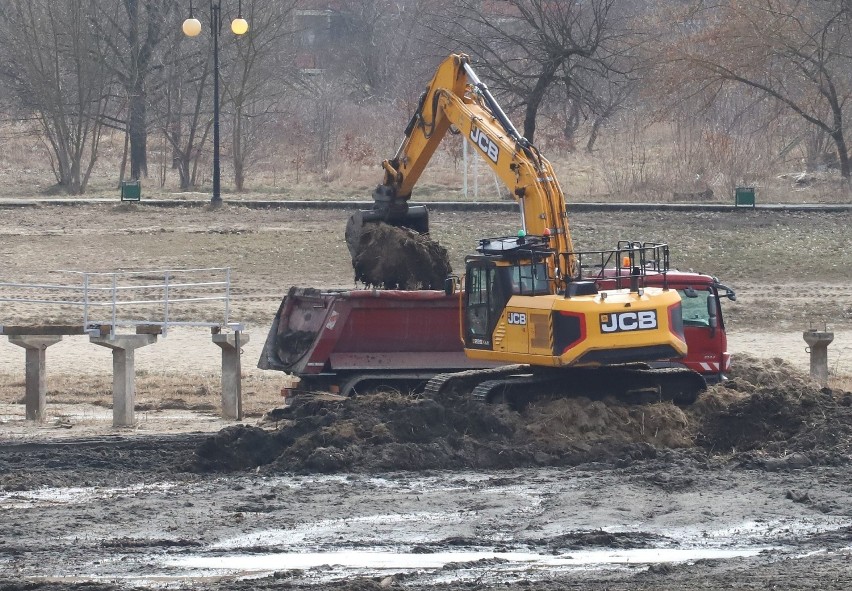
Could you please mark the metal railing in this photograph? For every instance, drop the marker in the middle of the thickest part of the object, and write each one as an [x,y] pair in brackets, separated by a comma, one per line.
[163,298]
[629,261]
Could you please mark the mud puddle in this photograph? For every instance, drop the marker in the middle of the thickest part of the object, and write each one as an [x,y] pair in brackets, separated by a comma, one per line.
[440,567]
[423,529]
[52,496]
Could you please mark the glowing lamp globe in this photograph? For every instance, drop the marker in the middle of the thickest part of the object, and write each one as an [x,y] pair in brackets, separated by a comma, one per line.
[191,27]
[239,26]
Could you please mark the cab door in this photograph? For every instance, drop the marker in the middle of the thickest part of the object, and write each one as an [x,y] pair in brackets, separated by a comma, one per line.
[484,299]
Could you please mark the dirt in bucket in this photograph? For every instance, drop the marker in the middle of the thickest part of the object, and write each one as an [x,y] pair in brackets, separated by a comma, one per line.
[394,257]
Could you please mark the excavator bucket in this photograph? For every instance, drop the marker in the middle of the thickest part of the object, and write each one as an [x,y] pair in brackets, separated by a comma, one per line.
[396,252]
[415,217]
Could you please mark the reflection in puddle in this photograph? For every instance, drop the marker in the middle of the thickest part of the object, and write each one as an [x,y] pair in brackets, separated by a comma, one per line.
[363,560]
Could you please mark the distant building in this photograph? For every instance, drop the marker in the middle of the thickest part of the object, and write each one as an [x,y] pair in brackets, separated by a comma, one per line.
[319,25]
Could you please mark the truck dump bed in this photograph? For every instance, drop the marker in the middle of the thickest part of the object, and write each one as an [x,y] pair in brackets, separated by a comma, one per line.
[340,338]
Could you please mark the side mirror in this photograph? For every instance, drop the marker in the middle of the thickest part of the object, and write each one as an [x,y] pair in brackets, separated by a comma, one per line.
[690,293]
[711,312]
[729,293]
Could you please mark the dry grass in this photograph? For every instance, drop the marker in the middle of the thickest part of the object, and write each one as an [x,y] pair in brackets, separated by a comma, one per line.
[840,382]
[197,391]
[629,164]
[783,264]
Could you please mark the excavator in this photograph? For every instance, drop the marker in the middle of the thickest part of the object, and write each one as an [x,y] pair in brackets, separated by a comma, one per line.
[545,314]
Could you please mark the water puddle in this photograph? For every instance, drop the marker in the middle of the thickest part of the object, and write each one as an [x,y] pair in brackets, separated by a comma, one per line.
[371,528]
[338,564]
[43,497]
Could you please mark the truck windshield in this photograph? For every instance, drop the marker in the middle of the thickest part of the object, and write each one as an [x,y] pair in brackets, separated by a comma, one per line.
[694,309]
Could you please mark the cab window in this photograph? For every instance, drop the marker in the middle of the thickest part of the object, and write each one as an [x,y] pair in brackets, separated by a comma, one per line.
[529,279]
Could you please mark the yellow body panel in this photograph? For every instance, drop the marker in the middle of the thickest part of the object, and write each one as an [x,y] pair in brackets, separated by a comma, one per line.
[521,325]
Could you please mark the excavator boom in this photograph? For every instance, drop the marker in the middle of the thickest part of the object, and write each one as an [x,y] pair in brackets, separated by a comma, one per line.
[456,98]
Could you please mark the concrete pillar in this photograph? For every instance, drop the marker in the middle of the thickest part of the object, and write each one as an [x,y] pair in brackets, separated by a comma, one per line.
[232,390]
[124,373]
[818,342]
[36,386]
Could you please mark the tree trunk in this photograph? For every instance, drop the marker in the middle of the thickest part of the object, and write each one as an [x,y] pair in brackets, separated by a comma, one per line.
[593,136]
[123,169]
[138,134]
[535,97]
[183,162]
[842,153]
[237,147]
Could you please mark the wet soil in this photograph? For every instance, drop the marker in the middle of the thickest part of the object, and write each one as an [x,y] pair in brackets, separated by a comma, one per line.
[394,257]
[758,467]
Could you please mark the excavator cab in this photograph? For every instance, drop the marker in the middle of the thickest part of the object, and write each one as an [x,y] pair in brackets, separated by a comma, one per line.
[490,282]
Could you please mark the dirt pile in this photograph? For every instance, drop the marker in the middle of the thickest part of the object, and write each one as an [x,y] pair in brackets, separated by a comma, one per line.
[387,431]
[771,408]
[579,422]
[767,411]
[383,431]
[393,257]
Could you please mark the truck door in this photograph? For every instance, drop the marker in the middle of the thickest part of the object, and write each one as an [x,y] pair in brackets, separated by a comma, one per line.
[704,330]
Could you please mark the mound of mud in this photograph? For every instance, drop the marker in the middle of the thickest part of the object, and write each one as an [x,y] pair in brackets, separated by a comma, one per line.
[392,257]
[772,408]
[384,431]
[388,431]
[767,411]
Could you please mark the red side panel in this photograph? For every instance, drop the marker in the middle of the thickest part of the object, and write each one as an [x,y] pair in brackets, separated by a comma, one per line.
[401,330]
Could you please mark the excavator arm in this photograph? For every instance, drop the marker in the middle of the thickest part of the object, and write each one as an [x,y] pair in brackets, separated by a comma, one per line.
[457,99]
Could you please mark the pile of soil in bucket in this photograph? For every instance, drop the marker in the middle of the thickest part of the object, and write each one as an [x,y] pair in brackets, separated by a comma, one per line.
[394,257]
[767,411]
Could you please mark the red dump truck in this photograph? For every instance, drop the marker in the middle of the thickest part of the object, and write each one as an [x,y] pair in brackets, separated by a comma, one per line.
[345,341]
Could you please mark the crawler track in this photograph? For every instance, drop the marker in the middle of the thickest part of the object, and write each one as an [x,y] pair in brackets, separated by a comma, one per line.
[519,384]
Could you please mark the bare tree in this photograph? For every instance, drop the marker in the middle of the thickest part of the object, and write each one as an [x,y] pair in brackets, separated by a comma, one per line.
[132,31]
[49,46]
[528,47]
[182,115]
[376,45]
[258,79]
[794,52]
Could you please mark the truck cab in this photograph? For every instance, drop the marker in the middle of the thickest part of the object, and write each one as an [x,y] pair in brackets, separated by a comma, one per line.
[703,321]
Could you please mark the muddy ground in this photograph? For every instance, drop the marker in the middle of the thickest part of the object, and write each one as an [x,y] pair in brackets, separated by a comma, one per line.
[748,488]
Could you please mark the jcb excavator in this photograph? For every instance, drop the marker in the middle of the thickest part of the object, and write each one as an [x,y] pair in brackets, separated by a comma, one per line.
[531,300]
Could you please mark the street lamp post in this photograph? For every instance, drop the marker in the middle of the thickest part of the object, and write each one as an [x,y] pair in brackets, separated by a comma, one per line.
[192,28]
